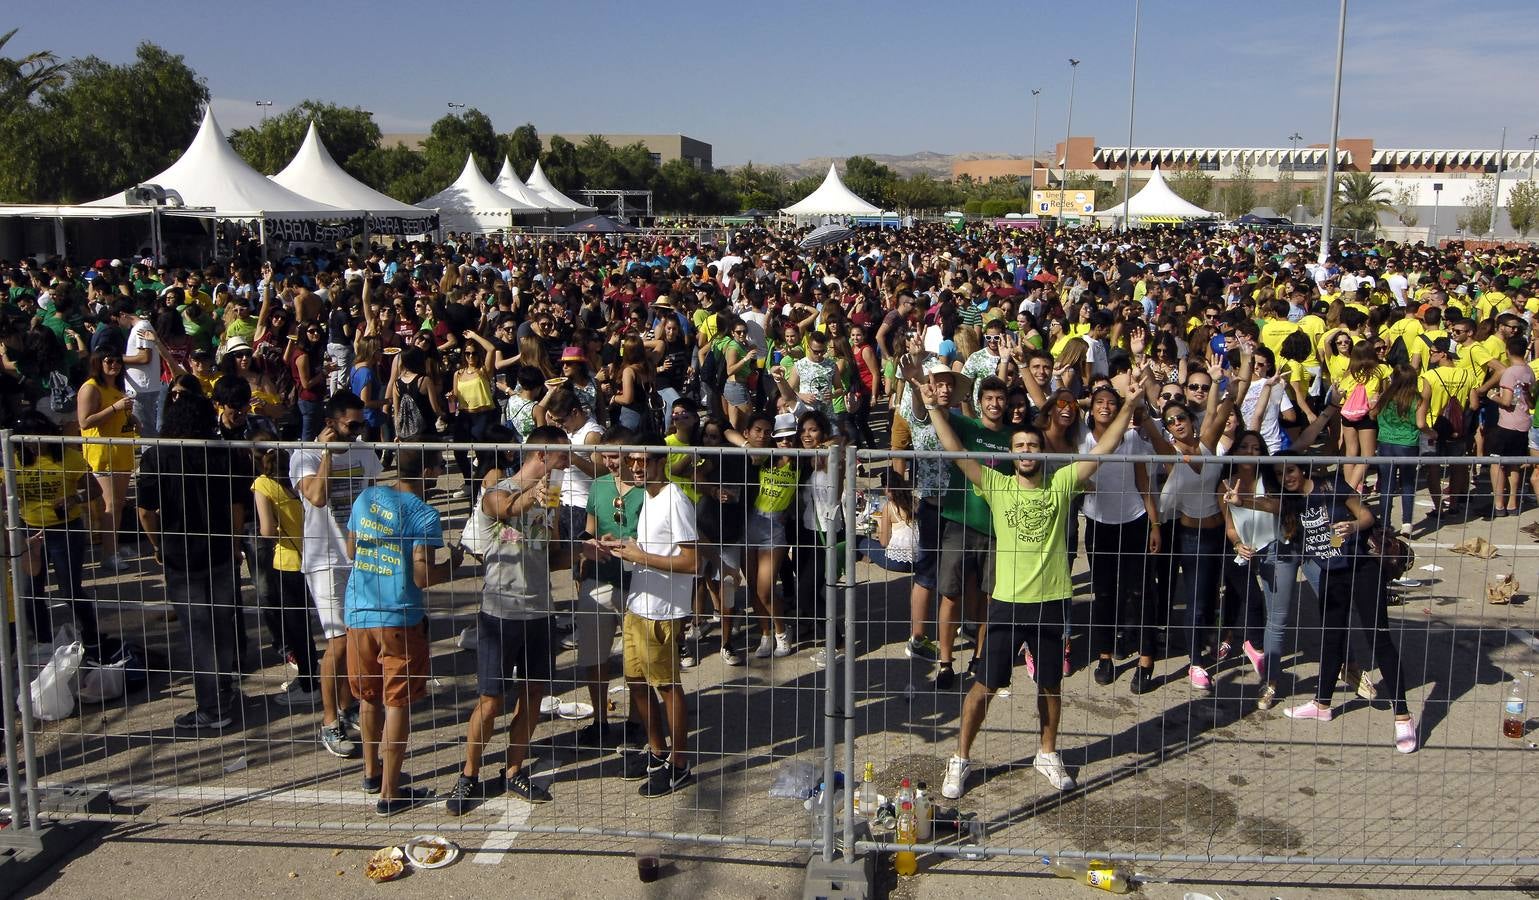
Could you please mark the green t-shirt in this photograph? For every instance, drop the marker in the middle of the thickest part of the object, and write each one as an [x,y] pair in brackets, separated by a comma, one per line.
[1031,526]
[602,495]
[962,501]
[1396,428]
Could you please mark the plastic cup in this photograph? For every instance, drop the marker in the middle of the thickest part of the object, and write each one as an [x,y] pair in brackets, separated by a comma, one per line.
[649,862]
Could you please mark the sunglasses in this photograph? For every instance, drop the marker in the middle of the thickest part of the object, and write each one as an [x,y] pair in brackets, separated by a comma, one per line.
[1173,419]
[1194,386]
[619,511]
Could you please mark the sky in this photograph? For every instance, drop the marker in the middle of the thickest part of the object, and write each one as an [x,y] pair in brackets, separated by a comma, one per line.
[782,82]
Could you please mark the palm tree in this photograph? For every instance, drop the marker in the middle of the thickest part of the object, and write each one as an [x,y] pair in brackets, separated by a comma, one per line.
[21,78]
[1359,200]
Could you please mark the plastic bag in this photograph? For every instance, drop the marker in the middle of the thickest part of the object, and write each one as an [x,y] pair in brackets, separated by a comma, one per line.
[53,691]
[796,780]
[100,683]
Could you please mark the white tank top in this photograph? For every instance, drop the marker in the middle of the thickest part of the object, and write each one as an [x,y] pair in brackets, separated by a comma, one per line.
[1189,493]
[1257,528]
[574,483]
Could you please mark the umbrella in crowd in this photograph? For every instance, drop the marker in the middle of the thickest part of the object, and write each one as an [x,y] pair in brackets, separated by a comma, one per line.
[826,235]
[599,225]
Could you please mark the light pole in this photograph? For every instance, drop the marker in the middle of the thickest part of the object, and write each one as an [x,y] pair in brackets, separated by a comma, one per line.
[1068,129]
[1533,148]
[453,105]
[264,105]
[1295,137]
[1437,200]
[1293,166]
[1036,108]
[1496,195]
[1127,173]
[1330,159]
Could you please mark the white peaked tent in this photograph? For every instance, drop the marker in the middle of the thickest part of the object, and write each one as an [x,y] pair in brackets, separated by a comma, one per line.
[211,176]
[541,185]
[314,174]
[508,183]
[1155,201]
[832,198]
[472,204]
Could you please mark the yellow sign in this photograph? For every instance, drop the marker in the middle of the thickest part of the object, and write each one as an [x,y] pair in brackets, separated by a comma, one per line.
[1044,202]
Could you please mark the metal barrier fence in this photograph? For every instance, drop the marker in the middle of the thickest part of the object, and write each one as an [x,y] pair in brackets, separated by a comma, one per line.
[1182,778]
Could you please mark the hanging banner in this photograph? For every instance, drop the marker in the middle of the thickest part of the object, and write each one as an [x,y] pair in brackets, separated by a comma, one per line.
[424,224]
[1045,202]
[310,231]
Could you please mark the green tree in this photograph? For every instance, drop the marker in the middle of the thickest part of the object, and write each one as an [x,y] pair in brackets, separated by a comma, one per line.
[346,132]
[522,147]
[394,170]
[104,128]
[870,180]
[1523,207]
[1107,194]
[1479,203]
[1359,200]
[1239,196]
[443,154]
[1192,186]
[559,162]
[921,192]
[1405,206]
[1286,195]
[21,78]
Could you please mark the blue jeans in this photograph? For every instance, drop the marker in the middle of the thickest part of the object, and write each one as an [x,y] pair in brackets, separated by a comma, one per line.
[312,415]
[1199,556]
[1398,478]
[64,550]
[147,408]
[875,552]
[1270,582]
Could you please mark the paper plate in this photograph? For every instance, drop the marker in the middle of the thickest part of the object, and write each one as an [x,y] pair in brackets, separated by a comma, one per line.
[391,351]
[554,382]
[421,847]
[575,710]
[549,706]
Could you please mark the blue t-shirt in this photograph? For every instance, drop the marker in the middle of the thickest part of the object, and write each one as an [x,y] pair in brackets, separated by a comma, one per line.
[388,525]
[363,377]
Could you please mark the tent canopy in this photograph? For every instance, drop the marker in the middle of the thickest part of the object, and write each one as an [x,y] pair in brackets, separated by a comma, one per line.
[832,198]
[508,183]
[599,225]
[211,175]
[1155,200]
[472,204]
[314,174]
[541,185]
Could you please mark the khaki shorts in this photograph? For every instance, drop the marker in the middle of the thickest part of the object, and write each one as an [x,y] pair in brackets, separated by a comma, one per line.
[651,649]
[388,665]
[597,621]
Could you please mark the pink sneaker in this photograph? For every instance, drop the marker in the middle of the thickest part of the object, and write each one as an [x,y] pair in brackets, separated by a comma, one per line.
[1256,657]
[1310,710]
[1066,666]
[1224,649]
[1405,735]
[1031,665]
[1200,678]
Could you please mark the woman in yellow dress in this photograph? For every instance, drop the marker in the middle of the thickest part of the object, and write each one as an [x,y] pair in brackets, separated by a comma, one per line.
[103,411]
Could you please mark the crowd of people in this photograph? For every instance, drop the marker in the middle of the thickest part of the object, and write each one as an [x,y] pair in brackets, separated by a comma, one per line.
[1194,345]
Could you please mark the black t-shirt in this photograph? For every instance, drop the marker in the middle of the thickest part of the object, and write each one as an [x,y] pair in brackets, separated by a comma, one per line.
[1322,509]
[196,491]
[339,327]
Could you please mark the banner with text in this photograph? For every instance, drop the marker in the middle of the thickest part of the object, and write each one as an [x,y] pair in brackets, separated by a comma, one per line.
[424,224]
[1045,202]
[310,231]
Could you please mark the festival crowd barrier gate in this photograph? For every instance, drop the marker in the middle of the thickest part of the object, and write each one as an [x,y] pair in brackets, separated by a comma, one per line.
[1176,782]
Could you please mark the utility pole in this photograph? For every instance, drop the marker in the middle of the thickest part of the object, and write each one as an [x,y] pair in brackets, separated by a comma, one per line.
[1127,173]
[1330,160]
[1496,195]
[1036,108]
[1068,130]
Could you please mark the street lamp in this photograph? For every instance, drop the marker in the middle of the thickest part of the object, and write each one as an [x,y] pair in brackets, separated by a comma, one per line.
[453,105]
[1330,160]
[1127,174]
[264,104]
[1068,129]
[1533,148]
[1036,107]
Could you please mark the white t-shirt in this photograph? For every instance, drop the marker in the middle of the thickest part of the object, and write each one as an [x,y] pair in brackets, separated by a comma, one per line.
[1115,499]
[1277,403]
[667,520]
[574,481]
[1397,285]
[754,321]
[325,531]
[142,378]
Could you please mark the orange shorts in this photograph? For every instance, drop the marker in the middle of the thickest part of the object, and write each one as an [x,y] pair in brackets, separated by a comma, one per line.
[388,665]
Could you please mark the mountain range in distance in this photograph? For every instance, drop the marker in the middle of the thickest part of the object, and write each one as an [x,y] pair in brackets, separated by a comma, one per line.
[928,162]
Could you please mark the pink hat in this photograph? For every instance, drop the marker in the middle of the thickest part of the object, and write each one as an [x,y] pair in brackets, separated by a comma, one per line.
[573,354]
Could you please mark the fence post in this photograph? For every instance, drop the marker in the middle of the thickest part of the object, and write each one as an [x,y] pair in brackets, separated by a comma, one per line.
[847,486]
[21,684]
[831,709]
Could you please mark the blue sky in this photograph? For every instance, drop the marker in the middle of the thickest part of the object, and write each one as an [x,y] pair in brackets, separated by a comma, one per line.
[781,82]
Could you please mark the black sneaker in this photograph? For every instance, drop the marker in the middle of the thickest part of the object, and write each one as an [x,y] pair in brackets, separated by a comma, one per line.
[1105,671]
[945,677]
[409,797]
[595,736]
[197,720]
[468,791]
[641,764]
[374,785]
[666,780]
[633,735]
[520,786]
[1143,679]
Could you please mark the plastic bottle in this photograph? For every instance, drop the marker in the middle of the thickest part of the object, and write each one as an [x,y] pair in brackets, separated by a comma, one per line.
[1093,872]
[905,861]
[865,798]
[1514,711]
[924,814]
[905,792]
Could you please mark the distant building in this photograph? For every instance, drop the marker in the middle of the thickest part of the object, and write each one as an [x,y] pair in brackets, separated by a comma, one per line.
[663,147]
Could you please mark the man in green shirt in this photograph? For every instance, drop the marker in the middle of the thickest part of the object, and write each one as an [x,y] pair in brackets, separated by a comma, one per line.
[1032,589]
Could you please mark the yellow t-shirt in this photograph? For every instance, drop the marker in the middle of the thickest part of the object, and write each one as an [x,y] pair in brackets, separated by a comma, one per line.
[685,482]
[1473,358]
[1274,332]
[1446,382]
[1314,327]
[291,523]
[1374,383]
[41,486]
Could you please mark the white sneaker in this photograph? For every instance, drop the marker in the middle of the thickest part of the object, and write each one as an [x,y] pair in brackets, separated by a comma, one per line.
[957,770]
[1051,767]
[688,660]
[783,644]
[461,494]
[820,657]
[765,648]
[731,657]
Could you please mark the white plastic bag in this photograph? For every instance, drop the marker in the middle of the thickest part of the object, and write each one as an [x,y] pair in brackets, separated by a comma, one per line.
[53,691]
[101,683]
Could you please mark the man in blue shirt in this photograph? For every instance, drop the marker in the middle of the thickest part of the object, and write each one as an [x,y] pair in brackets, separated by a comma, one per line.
[391,535]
